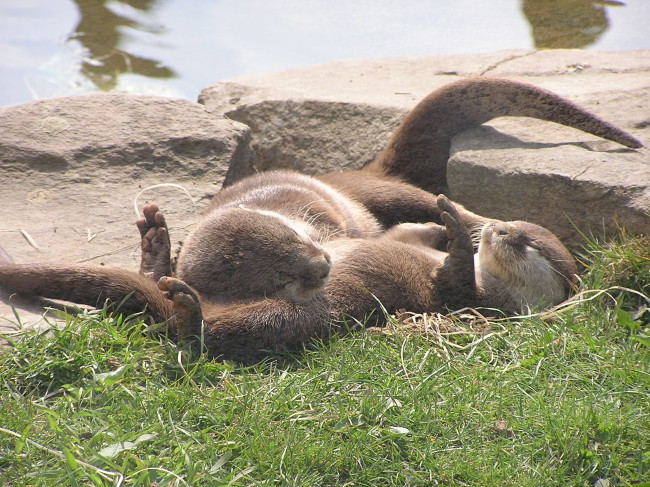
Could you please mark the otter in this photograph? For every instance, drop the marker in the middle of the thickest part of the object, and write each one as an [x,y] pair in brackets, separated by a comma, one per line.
[519,266]
[258,264]
[263,237]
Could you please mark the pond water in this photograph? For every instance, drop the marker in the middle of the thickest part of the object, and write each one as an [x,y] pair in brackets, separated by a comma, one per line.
[177,47]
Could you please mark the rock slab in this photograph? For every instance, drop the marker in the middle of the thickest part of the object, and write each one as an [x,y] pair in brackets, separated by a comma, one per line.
[73,171]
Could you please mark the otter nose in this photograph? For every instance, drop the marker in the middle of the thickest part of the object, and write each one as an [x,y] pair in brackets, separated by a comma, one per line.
[500,229]
[322,265]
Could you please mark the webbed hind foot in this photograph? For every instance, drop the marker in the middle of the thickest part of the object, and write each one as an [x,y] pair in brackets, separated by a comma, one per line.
[155,261]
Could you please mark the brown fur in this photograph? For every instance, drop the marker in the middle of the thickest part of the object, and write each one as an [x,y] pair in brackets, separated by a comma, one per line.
[418,150]
[87,284]
[398,270]
[238,254]
[403,269]
[261,238]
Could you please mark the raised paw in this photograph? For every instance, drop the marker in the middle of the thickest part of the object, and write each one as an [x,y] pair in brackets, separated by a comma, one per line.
[460,243]
[449,216]
[187,307]
[445,205]
[155,261]
[457,271]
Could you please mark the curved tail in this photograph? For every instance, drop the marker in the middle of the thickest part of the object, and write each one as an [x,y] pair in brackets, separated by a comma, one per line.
[418,150]
[89,285]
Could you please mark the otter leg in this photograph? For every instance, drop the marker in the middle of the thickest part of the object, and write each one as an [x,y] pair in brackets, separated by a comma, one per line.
[458,267]
[188,317]
[427,234]
[156,247]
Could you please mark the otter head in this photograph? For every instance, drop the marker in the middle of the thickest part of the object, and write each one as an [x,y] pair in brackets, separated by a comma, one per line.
[534,267]
[242,254]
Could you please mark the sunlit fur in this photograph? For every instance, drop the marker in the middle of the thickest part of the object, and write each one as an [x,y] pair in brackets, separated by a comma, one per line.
[243,254]
[518,262]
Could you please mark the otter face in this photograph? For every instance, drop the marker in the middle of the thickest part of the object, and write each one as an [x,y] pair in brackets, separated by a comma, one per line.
[531,262]
[241,254]
[302,266]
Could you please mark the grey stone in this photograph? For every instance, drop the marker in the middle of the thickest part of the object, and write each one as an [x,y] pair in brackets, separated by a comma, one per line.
[72,170]
[313,137]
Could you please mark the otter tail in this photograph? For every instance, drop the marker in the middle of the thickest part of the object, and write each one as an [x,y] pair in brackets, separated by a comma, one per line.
[89,285]
[418,150]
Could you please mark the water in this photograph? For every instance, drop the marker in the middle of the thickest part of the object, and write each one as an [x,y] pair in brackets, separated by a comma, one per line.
[176,47]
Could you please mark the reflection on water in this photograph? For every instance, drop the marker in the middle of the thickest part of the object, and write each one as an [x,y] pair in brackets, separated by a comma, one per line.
[567,24]
[176,47]
[99,32]
[558,24]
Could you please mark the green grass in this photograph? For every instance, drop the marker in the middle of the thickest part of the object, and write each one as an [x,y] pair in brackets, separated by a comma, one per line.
[561,401]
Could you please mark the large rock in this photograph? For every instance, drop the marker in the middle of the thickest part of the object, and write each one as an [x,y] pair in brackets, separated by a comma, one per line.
[322,118]
[72,170]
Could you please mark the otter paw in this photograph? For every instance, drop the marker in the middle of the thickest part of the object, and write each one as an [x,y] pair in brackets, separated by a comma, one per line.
[171,286]
[450,217]
[187,307]
[152,218]
[460,243]
[445,205]
[155,261]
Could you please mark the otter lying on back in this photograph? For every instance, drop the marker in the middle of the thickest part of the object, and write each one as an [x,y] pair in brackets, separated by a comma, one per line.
[518,266]
[263,236]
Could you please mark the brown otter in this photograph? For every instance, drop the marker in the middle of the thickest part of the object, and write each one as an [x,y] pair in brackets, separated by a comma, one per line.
[281,208]
[518,266]
[262,237]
